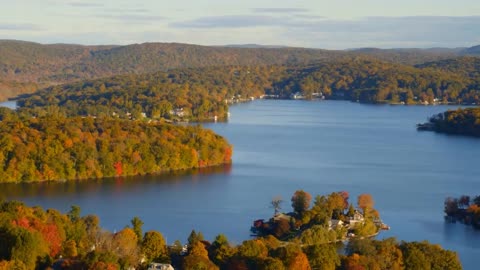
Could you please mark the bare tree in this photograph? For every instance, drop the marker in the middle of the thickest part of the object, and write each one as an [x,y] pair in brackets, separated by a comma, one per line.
[276,204]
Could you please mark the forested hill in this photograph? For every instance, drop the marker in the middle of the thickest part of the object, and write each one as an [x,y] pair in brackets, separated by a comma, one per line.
[57,148]
[408,56]
[467,66]
[45,65]
[27,66]
[203,93]
[475,50]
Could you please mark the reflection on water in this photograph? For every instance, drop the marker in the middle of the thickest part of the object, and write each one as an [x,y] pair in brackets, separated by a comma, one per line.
[116,185]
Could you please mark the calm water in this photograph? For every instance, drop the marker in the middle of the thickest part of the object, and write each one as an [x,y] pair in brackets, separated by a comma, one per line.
[282,146]
[9,104]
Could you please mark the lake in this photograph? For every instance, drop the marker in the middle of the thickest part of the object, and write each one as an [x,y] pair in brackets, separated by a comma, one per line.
[284,145]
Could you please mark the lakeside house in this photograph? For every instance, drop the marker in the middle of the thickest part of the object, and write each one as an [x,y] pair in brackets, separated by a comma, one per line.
[334,224]
[180,112]
[281,216]
[356,218]
[160,266]
[297,95]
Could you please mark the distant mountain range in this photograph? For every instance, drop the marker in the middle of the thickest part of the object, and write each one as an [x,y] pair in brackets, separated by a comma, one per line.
[473,51]
[27,66]
[255,46]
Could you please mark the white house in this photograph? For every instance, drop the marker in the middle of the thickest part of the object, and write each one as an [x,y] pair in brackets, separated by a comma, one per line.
[160,266]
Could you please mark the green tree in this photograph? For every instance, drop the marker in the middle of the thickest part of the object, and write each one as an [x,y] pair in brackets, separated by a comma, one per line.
[70,249]
[194,237]
[323,257]
[74,213]
[253,249]
[25,246]
[351,211]
[154,247]
[137,224]
[272,264]
[220,250]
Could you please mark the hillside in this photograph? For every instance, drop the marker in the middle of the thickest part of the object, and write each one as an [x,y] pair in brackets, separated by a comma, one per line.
[467,66]
[408,56]
[473,51]
[46,65]
[27,66]
[203,94]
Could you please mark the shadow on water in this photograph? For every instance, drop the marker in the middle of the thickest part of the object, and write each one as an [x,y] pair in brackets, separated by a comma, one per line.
[57,189]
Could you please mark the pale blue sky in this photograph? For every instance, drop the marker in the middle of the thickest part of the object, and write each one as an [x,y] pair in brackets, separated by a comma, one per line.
[333,24]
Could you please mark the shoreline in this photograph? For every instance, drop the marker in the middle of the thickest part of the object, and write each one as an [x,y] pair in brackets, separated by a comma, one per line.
[186,171]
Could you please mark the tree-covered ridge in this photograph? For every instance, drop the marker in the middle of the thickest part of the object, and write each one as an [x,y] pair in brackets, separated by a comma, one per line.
[54,148]
[195,94]
[409,56]
[203,93]
[370,80]
[34,238]
[468,66]
[460,122]
[46,65]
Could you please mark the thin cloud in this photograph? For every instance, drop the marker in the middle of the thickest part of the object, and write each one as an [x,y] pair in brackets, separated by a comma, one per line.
[19,27]
[127,10]
[134,17]
[391,32]
[280,10]
[85,4]
[318,32]
[236,21]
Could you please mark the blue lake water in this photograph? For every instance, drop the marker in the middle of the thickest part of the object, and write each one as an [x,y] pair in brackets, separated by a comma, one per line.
[281,146]
[9,104]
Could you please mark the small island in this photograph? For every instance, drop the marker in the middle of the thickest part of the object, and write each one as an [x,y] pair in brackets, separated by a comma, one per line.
[458,122]
[331,219]
[464,210]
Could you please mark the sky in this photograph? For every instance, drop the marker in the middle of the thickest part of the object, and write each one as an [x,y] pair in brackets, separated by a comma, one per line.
[333,24]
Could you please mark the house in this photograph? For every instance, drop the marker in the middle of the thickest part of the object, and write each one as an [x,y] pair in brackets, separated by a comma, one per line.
[160,266]
[184,250]
[357,218]
[280,216]
[297,95]
[334,224]
[180,112]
